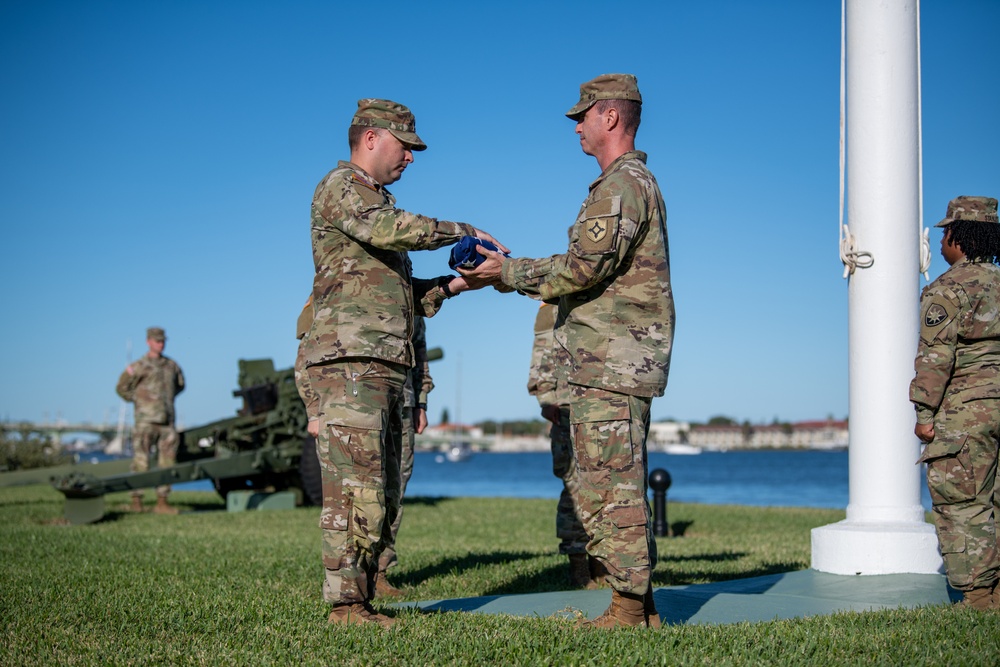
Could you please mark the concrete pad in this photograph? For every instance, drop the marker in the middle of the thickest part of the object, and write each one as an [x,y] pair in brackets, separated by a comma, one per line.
[776,596]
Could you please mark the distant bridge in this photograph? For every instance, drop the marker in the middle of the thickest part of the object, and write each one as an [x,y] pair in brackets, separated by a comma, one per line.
[54,431]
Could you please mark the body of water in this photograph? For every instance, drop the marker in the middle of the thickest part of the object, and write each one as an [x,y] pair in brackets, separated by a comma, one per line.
[779,478]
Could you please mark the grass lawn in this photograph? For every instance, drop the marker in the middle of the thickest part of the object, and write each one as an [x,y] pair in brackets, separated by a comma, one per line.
[215,588]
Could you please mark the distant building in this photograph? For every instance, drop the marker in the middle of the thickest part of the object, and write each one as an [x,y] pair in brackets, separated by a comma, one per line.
[668,433]
[828,434]
[717,436]
[454,430]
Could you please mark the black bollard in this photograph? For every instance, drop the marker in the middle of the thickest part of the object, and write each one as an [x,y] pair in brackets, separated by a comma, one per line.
[659,481]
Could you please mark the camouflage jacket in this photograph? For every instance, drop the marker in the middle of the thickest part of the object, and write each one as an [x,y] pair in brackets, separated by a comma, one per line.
[364,295]
[959,347]
[616,308]
[419,382]
[152,385]
[547,361]
[419,376]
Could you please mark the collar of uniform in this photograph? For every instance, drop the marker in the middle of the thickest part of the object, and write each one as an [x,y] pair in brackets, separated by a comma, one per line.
[630,155]
[361,176]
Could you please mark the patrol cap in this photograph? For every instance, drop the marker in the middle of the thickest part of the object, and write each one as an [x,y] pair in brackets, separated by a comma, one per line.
[605,87]
[391,116]
[156,333]
[971,209]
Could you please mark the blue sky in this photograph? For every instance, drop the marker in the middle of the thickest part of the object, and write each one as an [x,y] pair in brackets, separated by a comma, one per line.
[157,162]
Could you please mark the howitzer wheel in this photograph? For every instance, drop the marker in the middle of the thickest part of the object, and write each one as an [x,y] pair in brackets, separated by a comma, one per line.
[310,473]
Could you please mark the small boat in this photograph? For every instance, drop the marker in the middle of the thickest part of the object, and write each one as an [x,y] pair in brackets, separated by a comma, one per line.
[681,448]
[459,451]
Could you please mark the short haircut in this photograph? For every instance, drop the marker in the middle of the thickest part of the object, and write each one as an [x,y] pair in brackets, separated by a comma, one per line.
[979,241]
[355,132]
[629,113]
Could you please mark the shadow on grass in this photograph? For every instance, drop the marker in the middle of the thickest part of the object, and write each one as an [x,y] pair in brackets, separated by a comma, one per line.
[678,528]
[429,501]
[458,564]
[688,576]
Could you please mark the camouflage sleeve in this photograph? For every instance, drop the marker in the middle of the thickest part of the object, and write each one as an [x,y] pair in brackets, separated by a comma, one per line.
[305,319]
[935,361]
[423,384]
[306,391]
[364,214]
[178,379]
[600,241]
[541,375]
[428,295]
[126,386]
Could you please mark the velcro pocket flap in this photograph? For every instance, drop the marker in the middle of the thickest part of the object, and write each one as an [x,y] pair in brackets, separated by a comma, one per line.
[939,449]
[351,417]
[982,391]
[596,410]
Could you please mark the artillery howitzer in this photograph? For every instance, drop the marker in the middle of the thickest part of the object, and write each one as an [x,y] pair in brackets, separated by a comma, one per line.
[264,447]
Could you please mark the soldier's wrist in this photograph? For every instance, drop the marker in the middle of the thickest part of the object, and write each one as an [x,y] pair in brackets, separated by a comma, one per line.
[445,287]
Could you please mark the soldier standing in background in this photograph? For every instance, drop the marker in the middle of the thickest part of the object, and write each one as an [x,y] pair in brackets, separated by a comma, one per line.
[358,351]
[616,323]
[414,420]
[547,383]
[152,383]
[956,393]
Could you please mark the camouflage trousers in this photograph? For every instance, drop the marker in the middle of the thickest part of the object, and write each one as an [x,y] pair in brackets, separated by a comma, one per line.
[609,440]
[360,411]
[147,437]
[569,526]
[965,494]
[407,439]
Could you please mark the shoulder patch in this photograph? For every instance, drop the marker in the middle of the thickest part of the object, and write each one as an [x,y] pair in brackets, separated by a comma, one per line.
[935,315]
[600,225]
[369,195]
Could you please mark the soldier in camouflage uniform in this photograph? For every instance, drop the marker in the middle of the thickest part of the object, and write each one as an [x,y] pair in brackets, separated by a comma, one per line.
[547,383]
[616,323]
[414,420]
[956,393]
[359,347]
[151,383]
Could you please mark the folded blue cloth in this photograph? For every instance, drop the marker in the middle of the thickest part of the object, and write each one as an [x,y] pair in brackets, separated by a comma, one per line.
[464,254]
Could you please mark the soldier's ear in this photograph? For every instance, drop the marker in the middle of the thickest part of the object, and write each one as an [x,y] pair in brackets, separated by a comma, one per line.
[611,118]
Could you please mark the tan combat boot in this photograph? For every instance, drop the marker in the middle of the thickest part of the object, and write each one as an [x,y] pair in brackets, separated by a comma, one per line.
[579,572]
[358,613]
[980,599]
[649,609]
[383,589]
[136,504]
[626,610]
[162,507]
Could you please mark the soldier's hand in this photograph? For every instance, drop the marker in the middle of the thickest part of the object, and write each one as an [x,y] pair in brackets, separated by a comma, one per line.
[312,428]
[488,273]
[486,236]
[551,412]
[925,432]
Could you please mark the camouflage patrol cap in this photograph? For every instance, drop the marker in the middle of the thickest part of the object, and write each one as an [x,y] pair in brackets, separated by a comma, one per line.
[971,209]
[156,333]
[391,116]
[605,87]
